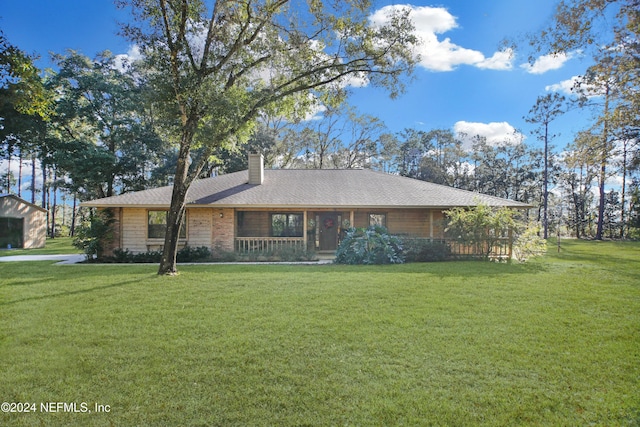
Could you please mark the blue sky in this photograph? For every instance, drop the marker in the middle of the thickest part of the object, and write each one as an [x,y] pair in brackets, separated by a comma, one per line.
[465,81]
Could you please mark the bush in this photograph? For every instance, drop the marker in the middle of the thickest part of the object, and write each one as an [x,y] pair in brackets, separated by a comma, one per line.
[373,245]
[124,256]
[424,250]
[292,255]
[529,244]
[481,226]
[186,254]
[63,231]
[93,236]
[189,254]
[282,255]
[223,255]
[203,254]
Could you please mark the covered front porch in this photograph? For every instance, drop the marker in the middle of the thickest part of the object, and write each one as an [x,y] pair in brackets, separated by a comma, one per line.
[321,230]
[277,230]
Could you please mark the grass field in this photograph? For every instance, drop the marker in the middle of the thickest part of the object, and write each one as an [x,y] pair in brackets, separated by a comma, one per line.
[59,245]
[552,342]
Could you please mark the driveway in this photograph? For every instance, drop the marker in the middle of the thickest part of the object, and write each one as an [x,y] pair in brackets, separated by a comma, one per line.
[63,258]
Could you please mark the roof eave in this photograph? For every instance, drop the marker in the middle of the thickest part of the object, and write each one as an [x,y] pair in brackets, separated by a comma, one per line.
[21,200]
[291,206]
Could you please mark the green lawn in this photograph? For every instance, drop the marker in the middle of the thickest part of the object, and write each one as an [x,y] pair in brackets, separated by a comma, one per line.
[554,342]
[59,245]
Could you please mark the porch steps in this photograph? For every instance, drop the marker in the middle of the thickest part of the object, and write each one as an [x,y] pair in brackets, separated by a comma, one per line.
[326,256]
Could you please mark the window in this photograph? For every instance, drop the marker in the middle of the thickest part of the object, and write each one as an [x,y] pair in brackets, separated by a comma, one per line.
[378,219]
[157,225]
[286,225]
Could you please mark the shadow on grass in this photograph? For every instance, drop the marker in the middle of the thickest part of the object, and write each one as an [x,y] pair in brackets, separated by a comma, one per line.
[26,282]
[478,268]
[607,253]
[70,293]
[439,269]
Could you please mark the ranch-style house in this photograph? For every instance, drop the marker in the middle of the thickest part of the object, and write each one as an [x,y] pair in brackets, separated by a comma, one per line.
[258,209]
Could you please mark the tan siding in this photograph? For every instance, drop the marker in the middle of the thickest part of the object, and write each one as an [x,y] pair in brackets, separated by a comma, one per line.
[35,229]
[199,227]
[414,222]
[207,228]
[134,229]
[438,224]
[35,221]
[361,219]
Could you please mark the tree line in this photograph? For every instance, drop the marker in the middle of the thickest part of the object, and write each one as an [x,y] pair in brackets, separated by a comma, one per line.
[199,99]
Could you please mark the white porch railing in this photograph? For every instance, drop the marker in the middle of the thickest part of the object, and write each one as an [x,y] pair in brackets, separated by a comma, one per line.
[268,244]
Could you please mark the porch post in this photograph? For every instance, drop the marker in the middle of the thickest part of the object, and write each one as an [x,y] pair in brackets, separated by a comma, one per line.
[304,229]
[431,223]
[351,218]
[510,250]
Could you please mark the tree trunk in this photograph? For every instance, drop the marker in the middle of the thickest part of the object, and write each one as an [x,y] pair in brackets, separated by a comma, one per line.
[55,204]
[604,152]
[175,216]
[33,179]
[72,231]
[20,174]
[9,169]
[583,201]
[624,187]
[576,208]
[545,216]
[601,203]
[44,192]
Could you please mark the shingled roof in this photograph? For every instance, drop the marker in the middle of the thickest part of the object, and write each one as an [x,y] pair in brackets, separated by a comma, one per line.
[311,188]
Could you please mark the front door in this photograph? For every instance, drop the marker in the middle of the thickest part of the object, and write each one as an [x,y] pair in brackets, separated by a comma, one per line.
[328,232]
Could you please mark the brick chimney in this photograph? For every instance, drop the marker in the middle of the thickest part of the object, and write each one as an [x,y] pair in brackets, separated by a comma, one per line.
[256,169]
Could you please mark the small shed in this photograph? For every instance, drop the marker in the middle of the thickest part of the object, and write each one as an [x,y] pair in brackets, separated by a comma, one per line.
[22,224]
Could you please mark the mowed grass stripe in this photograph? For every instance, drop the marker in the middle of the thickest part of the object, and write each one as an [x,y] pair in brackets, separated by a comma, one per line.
[553,342]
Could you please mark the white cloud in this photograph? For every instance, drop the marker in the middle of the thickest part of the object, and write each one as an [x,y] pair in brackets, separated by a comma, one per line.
[496,133]
[355,80]
[502,60]
[124,60]
[576,85]
[565,86]
[445,56]
[308,108]
[442,55]
[614,182]
[547,63]
[315,113]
